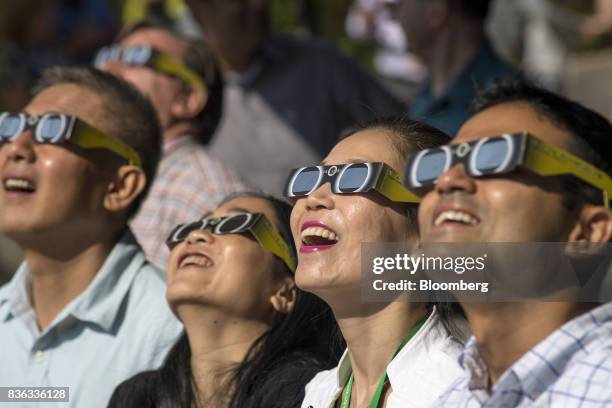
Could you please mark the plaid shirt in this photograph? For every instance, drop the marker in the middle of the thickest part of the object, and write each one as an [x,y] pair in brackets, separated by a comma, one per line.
[570,368]
[189,183]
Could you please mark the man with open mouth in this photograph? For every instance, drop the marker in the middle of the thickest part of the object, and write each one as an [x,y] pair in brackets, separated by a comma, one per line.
[528,167]
[84,310]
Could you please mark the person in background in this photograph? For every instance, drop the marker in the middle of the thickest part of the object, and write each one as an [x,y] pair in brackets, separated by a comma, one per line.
[370,21]
[180,78]
[329,227]
[537,352]
[251,340]
[448,36]
[85,309]
[286,98]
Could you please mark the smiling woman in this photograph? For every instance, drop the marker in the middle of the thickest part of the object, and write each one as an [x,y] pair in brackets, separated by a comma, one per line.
[334,214]
[252,339]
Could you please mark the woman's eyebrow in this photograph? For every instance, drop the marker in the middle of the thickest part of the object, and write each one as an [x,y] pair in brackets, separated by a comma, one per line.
[206,215]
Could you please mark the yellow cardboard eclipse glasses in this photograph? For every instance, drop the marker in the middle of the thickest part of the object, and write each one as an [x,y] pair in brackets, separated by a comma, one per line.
[503,154]
[349,178]
[256,224]
[149,57]
[54,128]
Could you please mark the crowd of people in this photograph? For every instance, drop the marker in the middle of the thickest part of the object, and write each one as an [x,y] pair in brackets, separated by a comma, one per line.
[192,213]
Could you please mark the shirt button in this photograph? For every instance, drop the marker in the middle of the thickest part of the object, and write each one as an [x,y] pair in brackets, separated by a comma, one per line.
[39,357]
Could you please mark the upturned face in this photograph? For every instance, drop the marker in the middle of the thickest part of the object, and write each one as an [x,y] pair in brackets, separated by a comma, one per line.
[515,207]
[230,272]
[328,229]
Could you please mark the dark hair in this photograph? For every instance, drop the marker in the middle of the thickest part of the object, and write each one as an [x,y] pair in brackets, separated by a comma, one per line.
[591,132]
[477,9]
[129,116]
[276,368]
[200,59]
[407,136]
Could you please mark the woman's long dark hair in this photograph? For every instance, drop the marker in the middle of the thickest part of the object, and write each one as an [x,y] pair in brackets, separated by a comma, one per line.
[276,368]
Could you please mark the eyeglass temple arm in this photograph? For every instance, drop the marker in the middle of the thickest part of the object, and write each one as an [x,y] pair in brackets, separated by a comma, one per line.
[548,160]
[270,238]
[391,186]
[90,137]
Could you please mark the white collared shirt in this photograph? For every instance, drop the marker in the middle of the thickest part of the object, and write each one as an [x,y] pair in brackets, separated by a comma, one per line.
[419,374]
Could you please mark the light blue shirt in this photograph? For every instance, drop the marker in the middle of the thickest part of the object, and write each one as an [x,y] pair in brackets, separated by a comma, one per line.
[120,325]
[572,367]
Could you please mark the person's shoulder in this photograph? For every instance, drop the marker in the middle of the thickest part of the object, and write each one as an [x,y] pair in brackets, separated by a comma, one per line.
[135,392]
[195,165]
[322,382]
[150,281]
[148,303]
[589,374]
[289,380]
[4,292]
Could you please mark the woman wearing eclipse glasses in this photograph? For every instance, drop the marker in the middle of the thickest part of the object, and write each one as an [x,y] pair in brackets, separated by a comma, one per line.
[251,338]
[399,354]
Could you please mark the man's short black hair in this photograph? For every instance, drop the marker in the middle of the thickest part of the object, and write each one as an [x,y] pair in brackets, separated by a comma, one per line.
[592,132]
[129,115]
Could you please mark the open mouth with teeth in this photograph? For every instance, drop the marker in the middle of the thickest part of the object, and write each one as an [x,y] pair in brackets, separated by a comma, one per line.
[316,237]
[18,185]
[455,217]
[197,260]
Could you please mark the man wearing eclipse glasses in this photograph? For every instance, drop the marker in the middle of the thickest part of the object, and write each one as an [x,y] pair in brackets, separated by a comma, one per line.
[529,166]
[179,76]
[84,310]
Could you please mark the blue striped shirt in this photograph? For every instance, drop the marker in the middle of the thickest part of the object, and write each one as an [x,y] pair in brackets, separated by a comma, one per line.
[572,367]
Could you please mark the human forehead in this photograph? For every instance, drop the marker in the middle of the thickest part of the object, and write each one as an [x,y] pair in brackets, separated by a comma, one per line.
[157,38]
[69,99]
[371,145]
[513,117]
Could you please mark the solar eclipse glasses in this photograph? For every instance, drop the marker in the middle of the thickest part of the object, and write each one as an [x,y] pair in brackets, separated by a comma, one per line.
[55,128]
[256,224]
[349,178]
[504,154]
[149,57]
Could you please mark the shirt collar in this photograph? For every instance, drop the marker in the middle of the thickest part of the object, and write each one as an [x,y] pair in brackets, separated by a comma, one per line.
[170,146]
[15,294]
[401,362]
[100,302]
[532,372]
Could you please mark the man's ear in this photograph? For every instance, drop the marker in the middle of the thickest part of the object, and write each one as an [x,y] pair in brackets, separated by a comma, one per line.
[189,103]
[594,225]
[125,187]
[284,298]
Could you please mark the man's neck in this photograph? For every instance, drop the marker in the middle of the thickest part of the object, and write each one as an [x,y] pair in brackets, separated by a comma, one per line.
[451,52]
[62,273]
[372,335]
[218,342]
[178,130]
[506,331]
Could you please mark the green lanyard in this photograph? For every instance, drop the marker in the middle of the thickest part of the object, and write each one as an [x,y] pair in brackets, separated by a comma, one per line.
[346,394]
